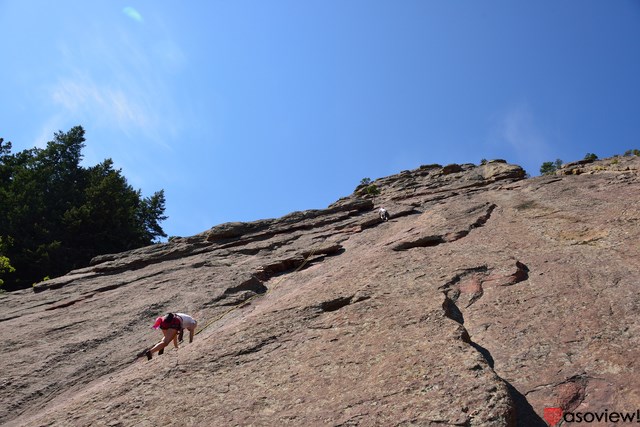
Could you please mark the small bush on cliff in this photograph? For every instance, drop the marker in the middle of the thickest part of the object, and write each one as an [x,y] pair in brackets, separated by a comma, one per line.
[558,164]
[366,188]
[590,156]
[372,190]
[549,168]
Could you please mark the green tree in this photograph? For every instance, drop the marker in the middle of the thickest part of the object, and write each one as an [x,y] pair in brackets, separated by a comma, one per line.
[5,263]
[58,215]
[558,164]
[112,216]
[590,156]
[151,214]
[5,267]
[373,191]
[549,168]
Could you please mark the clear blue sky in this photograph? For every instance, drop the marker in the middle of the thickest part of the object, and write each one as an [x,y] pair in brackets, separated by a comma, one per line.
[242,110]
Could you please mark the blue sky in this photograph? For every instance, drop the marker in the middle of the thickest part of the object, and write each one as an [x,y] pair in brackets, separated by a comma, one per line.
[242,110]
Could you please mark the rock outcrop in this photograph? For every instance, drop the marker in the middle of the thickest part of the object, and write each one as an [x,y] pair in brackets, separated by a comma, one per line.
[484,299]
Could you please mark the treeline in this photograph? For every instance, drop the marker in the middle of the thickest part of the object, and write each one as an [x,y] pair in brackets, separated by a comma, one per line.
[55,215]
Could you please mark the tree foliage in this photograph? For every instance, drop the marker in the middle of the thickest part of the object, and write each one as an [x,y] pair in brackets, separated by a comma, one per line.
[591,156]
[549,168]
[367,188]
[5,263]
[373,191]
[56,215]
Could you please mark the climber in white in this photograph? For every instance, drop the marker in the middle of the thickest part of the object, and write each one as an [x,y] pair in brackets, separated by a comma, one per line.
[384,215]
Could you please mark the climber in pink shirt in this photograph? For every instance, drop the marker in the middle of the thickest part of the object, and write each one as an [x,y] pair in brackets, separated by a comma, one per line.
[172,326]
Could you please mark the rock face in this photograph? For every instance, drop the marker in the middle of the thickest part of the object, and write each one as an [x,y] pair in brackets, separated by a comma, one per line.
[484,299]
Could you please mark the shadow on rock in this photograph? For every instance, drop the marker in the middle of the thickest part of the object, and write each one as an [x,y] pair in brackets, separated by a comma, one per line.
[525,415]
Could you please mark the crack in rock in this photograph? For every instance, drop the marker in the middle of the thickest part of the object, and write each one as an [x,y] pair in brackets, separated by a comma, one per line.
[238,294]
[468,286]
[520,274]
[435,240]
[68,303]
[422,242]
[341,302]
[256,347]
[570,393]
[255,284]
[290,264]
[335,304]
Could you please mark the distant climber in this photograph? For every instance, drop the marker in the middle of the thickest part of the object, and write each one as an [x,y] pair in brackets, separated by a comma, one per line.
[172,326]
[384,215]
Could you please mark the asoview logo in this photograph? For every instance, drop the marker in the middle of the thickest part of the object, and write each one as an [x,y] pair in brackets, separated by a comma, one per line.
[553,416]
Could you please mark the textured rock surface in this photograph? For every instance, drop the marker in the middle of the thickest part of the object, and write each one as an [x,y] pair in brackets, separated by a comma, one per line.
[484,299]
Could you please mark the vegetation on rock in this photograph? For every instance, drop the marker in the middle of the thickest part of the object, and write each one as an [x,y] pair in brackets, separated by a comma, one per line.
[56,214]
[549,168]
